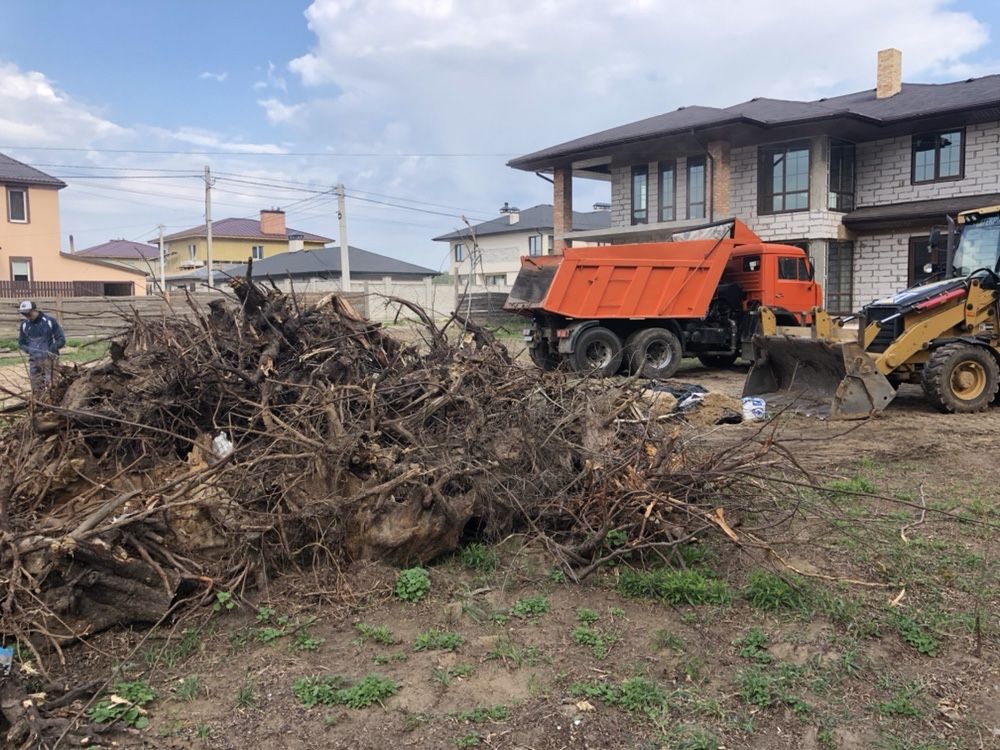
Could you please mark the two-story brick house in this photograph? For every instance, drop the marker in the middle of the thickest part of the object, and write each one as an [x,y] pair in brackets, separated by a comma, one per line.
[857,180]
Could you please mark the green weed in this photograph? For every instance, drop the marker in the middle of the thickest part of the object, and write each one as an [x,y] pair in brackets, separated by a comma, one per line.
[377,633]
[478,557]
[902,703]
[389,658]
[753,646]
[188,688]
[304,641]
[480,715]
[586,616]
[530,606]
[512,654]
[674,586]
[334,690]
[637,695]
[444,675]
[246,696]
[916,635]
[664,639]
[685,737]
[224,602]
[598,641]
[413,584]
[438,640]
[469,739]
[130,712]
[765,590]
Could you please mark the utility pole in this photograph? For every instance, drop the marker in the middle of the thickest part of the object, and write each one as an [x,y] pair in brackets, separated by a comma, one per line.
[163,267]
[208,223]
[345,260]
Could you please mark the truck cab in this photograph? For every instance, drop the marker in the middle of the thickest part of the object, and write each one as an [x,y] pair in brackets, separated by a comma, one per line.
[780,277]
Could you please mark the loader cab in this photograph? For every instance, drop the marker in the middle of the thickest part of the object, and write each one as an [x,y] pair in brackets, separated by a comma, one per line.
[778,276]
[978,243]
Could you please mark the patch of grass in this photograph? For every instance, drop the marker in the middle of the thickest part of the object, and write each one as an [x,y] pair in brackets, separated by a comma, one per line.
[615,538]
[764,688]
[686,737]
[514,655]
[767,591]
[334,690]
[269,634]
[916,635]
[598,641]
[264,614]
[305,641]
[556,576]
[444,675]
[246,696]
[170,654]
[637,695]
[478,557]
[389,658]
[481,714]
[128,708]
[674,586]
[413,584]
[664,639]
[901,704]
[530,606]
[842,489]
[203,731]
[616,611]
[469,739]
[438,640]
[753,646]
[586,616]
[188,689]
[377,633]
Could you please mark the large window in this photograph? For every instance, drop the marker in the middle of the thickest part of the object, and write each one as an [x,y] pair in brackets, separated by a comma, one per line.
[535,244]
[938,156]
[640,195]
[257,252]
[839,277]
[921,253]
[841,176]
[17,205]
[20,269]
[783,178]
[696,187]
[192,251]
[459,252]
[668,191]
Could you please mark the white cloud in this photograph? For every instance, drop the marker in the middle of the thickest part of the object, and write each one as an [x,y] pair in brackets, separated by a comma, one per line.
[279,112]
[271,79]
[217,77]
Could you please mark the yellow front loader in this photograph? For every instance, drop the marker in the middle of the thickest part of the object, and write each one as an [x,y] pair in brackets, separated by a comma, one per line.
[944,335]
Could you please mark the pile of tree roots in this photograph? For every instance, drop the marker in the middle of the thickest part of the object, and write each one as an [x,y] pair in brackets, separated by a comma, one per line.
[208,452]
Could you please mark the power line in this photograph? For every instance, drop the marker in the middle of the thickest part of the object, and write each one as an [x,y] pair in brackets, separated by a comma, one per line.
[336,154]
[408,208]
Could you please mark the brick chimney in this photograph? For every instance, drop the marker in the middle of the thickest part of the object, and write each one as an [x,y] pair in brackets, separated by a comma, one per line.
[889,81]
[272,221]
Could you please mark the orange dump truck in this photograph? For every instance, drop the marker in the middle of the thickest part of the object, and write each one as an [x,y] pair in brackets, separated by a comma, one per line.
[640,308]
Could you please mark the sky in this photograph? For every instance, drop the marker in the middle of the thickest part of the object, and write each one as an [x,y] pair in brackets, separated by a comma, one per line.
[414,105]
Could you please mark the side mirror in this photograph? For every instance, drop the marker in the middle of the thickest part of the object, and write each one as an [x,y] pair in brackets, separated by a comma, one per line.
[928,268]
[934,240]
[812,270]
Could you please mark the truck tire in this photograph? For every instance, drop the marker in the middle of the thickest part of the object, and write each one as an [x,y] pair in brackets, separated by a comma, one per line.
[597,352]
[961,378]
[718,360]
[653,353]
[543,357]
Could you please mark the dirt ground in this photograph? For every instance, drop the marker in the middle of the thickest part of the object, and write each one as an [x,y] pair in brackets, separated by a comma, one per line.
[888,636]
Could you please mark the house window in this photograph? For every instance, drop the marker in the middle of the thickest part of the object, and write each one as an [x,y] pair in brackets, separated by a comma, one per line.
[783,179]
[497,280]
[841,195]
[921,253]
[17,205]
[668,192]
[640,195]
[552,244]
[20,269]
[696,187]
[839,277]
[938,156]
[257,252]
[192,251]
[535,244]
[459,252]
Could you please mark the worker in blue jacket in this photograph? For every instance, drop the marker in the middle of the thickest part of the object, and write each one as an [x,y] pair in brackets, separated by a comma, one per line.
[41,338]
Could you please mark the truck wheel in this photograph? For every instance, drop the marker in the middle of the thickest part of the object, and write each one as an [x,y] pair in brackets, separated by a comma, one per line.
[718,360]
[598,352]
[961,378]
[543,357]
[653,353]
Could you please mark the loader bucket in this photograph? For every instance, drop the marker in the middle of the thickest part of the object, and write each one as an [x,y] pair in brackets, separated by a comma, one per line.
[833,379]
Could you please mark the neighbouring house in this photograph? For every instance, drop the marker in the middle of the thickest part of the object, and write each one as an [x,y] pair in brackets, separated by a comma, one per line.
[140,256]
[31,263]
[234,241]
[858,180]
[503,241]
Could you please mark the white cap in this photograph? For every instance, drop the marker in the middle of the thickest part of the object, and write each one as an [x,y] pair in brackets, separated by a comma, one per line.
[26,307]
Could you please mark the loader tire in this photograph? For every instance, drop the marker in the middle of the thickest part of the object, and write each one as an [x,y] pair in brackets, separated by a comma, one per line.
[961,378]
[653,353]
[598,352]
[718,360]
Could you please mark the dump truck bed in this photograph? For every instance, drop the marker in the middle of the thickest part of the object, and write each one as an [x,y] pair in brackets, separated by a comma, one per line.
[647,280]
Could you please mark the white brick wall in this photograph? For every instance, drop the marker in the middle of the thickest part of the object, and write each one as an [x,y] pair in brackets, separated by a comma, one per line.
[880,265]
[884,169]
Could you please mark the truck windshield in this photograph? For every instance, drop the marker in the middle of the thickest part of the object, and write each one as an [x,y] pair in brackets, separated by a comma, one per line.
[978,246]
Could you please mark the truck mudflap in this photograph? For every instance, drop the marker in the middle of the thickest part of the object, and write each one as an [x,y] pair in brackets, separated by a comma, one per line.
[832,379]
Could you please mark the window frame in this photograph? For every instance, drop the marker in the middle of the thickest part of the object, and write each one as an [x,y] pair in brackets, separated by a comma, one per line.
[639,171]
[534,245]
[846,279]
[254,254]
[912,245]
[836,143]
[458,252]
[663,167]
[192,251]
[696,161]
[21,259]
[937,157]
[765,185]
[23,190]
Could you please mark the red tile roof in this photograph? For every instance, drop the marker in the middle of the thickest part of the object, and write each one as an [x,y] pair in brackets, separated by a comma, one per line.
[122,249]
[243,229]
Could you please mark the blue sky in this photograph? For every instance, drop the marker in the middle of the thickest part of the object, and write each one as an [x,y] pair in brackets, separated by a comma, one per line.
[413,102]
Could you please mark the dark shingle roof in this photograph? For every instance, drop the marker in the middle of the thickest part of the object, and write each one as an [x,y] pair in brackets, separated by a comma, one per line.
[242,229]
[124,249]
[326,262]
[530,219]
[916,212]
[915,100]
[15,172]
